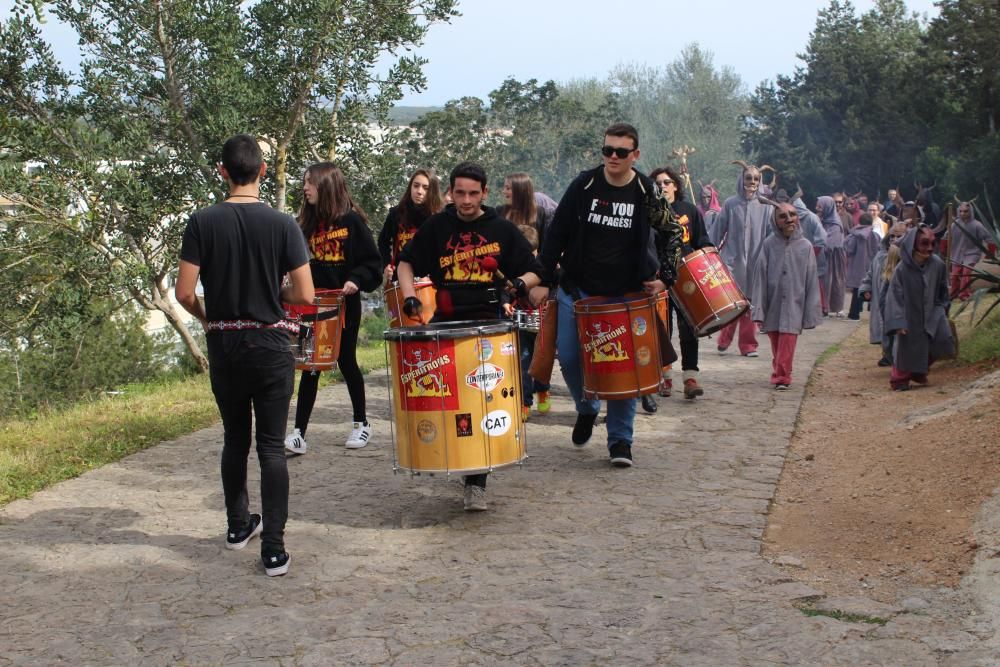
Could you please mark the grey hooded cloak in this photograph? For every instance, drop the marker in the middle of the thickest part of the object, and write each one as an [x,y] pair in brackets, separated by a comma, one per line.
[916,301]
[786,288]
[873,283]
[860,246]
[965,240]
[834,280]
[739,234]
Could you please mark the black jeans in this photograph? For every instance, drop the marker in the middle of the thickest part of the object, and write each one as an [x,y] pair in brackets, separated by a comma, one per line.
[253,382]
[689,341]
[347,362]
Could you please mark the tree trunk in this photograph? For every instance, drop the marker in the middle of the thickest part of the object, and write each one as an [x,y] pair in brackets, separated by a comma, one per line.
[281,176]
[177,322]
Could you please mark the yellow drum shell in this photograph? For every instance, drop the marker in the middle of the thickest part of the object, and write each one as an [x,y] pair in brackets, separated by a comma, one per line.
[456,397]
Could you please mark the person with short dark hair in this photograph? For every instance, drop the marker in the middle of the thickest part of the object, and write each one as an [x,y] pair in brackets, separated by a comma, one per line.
[241,249]
[455,249]
[602,238]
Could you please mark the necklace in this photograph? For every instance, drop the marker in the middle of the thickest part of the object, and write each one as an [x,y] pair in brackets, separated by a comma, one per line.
[246,196]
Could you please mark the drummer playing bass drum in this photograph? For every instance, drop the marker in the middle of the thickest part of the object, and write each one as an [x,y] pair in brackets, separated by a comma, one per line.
[457,249]
[695,237]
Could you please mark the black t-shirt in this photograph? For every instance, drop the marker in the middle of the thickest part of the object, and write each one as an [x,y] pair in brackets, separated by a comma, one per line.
[612,212]
[451,252]
[243,252]
[693,224]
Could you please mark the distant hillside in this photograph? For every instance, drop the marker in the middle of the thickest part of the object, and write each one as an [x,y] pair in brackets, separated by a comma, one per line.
[405,115]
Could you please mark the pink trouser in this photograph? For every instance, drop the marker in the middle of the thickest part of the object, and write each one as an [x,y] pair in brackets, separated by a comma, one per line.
[783,351]
[961,278]
[748,334]
[898,377]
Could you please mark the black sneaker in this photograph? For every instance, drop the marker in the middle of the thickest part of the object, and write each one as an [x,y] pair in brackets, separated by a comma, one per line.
[621,454]
[276,565]
[238,539]
[583,429]
[649,404]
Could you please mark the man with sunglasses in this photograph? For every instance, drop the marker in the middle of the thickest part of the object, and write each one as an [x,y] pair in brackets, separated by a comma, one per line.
[601,238]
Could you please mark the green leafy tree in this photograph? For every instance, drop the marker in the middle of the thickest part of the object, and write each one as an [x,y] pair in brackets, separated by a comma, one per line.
[128,146]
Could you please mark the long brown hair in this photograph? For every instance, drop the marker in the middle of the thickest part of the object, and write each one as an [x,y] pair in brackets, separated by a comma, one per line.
[522,209]
[333,200]
[433,202]
[891,262]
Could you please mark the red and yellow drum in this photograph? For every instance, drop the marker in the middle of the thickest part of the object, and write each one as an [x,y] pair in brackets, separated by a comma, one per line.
[456,397]
[394,304]
[619,346]
[317,345]
[706,293]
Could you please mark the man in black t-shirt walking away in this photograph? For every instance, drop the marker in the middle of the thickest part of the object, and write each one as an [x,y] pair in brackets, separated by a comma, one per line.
[242,249]
[601,237]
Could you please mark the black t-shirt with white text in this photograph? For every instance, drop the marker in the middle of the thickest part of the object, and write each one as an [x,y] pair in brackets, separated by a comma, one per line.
[612,213]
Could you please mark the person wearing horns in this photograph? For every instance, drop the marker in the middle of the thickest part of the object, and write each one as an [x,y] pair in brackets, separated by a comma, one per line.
[464,250]
[786,291]
[739,235]
[967,239]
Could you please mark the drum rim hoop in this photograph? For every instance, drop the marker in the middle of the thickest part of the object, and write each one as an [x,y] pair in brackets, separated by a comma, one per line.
[450,330]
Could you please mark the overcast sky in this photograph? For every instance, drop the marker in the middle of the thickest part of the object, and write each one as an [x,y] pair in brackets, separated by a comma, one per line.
[560,40]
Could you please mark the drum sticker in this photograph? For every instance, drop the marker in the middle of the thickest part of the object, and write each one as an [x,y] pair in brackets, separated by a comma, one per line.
[507,349]
[639,325]
[428,380]
[484,349]
[497,422]
[609,345]
[463,425]
[714,275]
[485,378]
[426,431]
[642,356]
[688,287]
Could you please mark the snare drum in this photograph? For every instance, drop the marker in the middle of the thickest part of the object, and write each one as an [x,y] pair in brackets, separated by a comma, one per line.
[456,397]
[619,346]
[394,304]
[528,320]
[706,293]
[317,345]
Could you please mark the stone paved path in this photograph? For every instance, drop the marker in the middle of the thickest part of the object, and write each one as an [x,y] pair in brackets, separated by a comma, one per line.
[575,563]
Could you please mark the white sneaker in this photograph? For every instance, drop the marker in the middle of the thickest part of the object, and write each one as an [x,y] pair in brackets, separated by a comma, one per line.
[359,436]
[295,443]
[475,498]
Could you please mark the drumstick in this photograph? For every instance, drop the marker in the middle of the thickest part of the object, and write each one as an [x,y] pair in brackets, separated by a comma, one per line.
[490,264]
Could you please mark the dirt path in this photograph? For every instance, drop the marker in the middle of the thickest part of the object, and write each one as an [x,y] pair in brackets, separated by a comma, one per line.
[880,488]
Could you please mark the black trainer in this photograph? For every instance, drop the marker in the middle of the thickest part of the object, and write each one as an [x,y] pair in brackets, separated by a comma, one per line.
[621,454]
[237,539]
[583,429]
[649,404]
[276,565]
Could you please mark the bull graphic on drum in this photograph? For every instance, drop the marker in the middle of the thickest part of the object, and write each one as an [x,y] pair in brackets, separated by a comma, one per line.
[621,346]
[456,397]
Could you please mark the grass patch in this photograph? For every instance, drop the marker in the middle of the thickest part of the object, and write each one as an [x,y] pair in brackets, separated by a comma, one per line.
[827,353]
[52,447]
[56,446]
[980,342]
[844,616]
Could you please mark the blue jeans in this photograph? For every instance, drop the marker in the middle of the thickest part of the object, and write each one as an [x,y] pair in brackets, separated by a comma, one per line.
[529,385]
[253,383]
[621,413]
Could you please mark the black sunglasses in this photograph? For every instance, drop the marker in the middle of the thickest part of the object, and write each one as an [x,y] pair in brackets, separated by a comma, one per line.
[622,153]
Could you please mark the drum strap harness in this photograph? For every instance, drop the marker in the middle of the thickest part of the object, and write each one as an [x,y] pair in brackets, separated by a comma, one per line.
[240,325]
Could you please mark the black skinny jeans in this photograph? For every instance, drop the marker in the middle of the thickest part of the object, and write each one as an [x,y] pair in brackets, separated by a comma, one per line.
[347,362]
[689,341]
[253,383]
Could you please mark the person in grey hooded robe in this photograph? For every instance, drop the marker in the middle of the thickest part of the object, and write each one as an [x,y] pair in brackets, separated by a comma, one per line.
[739,234]
[915,309]
[785,291]
[966,240]
[834,281]
[873,288]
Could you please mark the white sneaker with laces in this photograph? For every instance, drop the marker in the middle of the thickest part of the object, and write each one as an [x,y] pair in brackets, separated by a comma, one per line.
[295,443]
[360,435]
[475,498]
